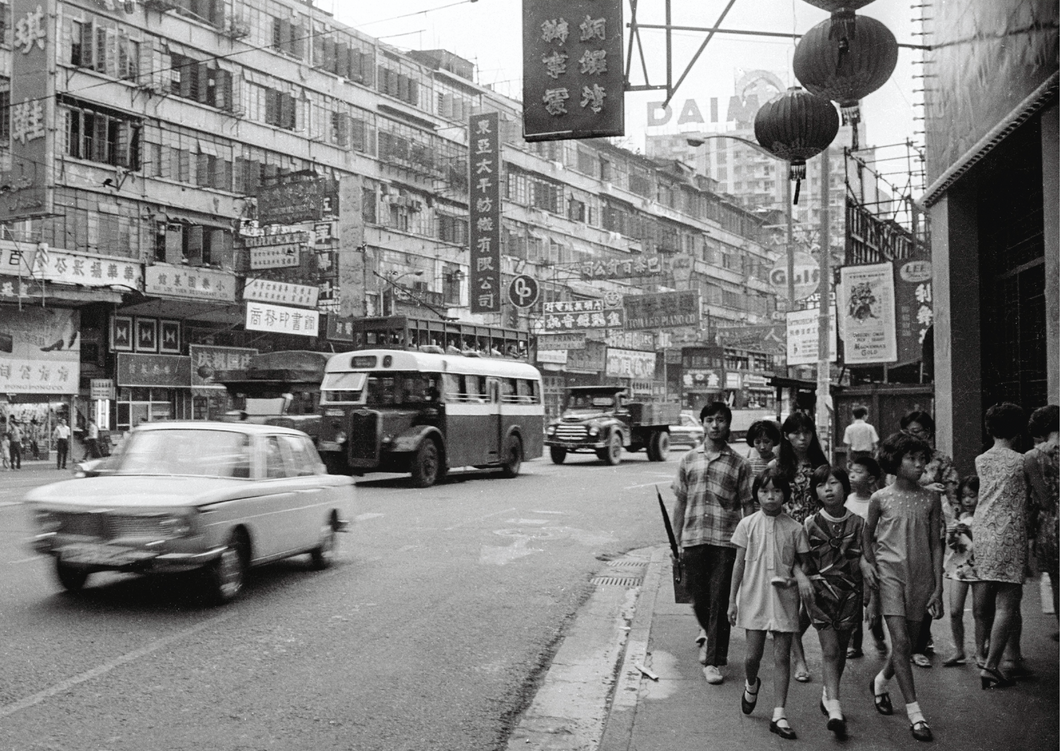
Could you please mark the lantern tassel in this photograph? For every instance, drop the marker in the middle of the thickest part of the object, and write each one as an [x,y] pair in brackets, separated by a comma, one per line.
[798,187]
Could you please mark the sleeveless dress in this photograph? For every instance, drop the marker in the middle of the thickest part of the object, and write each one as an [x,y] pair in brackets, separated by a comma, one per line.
[999,526]
[903,551]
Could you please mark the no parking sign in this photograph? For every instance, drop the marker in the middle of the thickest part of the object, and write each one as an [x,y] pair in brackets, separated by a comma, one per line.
[523,291]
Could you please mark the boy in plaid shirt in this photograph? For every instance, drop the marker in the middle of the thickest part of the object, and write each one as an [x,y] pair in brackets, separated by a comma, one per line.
[713,489]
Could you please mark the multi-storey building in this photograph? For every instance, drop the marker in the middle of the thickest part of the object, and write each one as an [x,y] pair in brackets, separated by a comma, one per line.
[198,161]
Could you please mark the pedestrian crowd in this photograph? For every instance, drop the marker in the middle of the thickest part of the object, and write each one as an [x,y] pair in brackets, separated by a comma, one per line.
[780,539]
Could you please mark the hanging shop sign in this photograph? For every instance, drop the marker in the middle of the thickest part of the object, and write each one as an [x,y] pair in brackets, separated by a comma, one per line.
[659,310]
[568,315]
[807,275]
[484,212]
[281,320]
[207,359]
[189,281]
[40,350]
[573,340]
[552,356]
[628,363]
[699,380]
[30,176]
[573,81]
[163,371]
[276,251]
[281,293]
[101,389]
[867,306]
[914,313]
[338,328]
[43,263]
[592,359]
[298,197]
[633,267]
[349,277]
[804,337]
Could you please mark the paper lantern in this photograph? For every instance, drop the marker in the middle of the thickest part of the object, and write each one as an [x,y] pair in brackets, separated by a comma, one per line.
[795,127]
[842,21]
[849,68]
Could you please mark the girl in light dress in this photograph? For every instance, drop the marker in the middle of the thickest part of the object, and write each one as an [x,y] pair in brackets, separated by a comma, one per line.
[959,568]
[767,581]
[904,550]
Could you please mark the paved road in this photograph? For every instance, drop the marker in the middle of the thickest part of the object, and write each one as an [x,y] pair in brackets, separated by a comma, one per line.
[444,610]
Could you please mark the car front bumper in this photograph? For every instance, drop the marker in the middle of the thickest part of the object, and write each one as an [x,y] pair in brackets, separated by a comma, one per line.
[153,556]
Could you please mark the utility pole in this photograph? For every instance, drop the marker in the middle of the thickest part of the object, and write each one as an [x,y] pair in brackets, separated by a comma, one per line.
[824,293]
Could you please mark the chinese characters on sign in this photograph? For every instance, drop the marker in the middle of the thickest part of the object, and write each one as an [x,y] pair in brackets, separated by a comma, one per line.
[280,320]
[628,363]
[298,197]
[188,281]
[40,351]
[570,315]
[484,213]
[32,109]
[660,310]
[207,360]
[154,370]
[284,293]
[43,263]
[914,313]
[573,80]
[804,337]
[866,302]
[649,266]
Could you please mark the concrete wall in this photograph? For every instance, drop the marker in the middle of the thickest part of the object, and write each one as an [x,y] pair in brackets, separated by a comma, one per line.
[1051,242]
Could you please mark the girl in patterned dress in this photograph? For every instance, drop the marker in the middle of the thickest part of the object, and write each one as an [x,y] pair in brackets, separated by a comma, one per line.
[959,568]
[800,454]
[835,536]
[1042,468]
[904,550]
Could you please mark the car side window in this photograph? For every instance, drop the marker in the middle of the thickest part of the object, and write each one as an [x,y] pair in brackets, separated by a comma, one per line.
[296,451]
[274,464]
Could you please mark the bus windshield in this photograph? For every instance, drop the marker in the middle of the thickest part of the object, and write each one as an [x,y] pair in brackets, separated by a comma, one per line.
[343,387]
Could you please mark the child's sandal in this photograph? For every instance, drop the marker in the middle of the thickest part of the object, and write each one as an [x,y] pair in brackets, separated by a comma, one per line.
[748,705]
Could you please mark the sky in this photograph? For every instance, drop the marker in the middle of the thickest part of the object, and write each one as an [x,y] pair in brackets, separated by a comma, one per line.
[489,34]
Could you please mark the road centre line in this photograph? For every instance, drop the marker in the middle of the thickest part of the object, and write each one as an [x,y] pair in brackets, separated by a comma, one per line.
[106,667]
[478,519]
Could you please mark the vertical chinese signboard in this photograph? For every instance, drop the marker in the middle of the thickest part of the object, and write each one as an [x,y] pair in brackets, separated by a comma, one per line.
[914,313]
[32,110]
[485,213]
[572,69]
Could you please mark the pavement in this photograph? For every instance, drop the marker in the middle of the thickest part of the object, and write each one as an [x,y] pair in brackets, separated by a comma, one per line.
[626,677]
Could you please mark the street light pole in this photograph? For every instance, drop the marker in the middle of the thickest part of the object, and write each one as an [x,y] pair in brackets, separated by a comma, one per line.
[824,294]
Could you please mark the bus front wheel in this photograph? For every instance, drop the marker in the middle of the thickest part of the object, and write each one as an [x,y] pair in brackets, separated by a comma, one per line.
[513,457]
[427,465]
[558,454]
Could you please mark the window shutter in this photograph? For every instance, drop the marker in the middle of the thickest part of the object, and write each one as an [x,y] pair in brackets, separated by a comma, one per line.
[223,93]
[342,59]
[222,174]
[202,78]
[342,129]
[88,38]
[194,235]
[174,243]
[184,166]
[221,248]
[239,182]
[358,133]
[296,43]
[202,170]
[327,57]
[287,112]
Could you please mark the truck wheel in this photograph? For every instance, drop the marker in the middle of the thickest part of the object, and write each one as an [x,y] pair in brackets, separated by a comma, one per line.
[650,449]
[612,453]
[660,446]
[558,454]
[426,466]
[513,457]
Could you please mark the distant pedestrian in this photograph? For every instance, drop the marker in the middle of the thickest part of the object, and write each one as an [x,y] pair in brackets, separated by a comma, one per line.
[904,549]
[14,435]
[767,581]
[61,434]
[860,437]
[92,441]
[5,449]
[836,538]
[34,438]
[713,490]
[865,478]
[1042,468]
[959,567]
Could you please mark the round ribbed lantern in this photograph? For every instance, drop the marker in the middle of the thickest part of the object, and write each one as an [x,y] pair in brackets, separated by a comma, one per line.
[849,68]
[796,127]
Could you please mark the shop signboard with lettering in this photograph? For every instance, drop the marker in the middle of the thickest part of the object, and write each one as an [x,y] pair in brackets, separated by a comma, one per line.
[659,310]
[592,359]
[339,328]
[573,80]
[573,340]
[282,320]
[281,293]
[101,389]
[190,282]
[163,371]
[628,363]
[43,263]
[298,197]
[803,337]
[621,269]
[40,351]
[207,359]
[914,313]
[568,315]
[484,212]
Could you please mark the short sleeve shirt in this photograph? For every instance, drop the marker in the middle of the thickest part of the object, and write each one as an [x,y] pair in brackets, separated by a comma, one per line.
[860,436]
[714,491]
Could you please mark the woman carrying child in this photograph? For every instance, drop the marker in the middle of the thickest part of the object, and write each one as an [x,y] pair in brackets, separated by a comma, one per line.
[959,568]
[836,537]
[904,552]
[766,586]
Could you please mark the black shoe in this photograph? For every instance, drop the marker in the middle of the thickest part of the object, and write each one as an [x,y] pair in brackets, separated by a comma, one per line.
[853,654]
[882,701]
[921,731]
[994,679]
[784,732]
[838,725]
[749,706]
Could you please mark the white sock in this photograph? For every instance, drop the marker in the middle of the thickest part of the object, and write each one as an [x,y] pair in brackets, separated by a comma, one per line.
[880,683]
[779,714]
[915,715]
[832,705]
[750,687]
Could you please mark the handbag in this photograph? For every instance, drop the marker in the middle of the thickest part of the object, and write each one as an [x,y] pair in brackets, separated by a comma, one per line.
[681,594]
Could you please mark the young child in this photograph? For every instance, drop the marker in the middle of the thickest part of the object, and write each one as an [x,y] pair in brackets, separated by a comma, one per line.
[836,537]
[904,550]
[865,479]
[763,437]
[959,568]
[5,449]
[763,596]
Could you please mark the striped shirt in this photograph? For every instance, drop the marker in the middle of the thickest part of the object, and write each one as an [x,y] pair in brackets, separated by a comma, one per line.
[714,492]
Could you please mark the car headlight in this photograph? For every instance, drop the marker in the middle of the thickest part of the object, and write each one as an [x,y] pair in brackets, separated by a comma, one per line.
[175,526]
[47,521]
[593,430]
[340,437]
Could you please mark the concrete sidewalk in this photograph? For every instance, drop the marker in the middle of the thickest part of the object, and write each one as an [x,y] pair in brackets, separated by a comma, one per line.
[681,711]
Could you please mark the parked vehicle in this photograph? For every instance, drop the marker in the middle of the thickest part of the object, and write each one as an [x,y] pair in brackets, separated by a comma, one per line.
[428,412]
[687,431]
[182,496]
[604,420]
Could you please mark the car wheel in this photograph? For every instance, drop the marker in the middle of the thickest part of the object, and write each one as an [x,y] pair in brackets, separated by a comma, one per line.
[323,555]
[612,453]
[72,578]
[226,575]
[426,468]
[513,457]
[558,454]
[660,446]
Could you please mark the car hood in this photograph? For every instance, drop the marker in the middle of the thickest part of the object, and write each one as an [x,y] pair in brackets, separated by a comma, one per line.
[581,414]
[128,491]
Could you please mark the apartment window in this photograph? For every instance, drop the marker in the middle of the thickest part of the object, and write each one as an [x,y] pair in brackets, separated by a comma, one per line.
[368,206]
[576,210]
[193,245]
[103,47]
[452,229]
[198,81]
[99,136]
[288,37]
[546,196]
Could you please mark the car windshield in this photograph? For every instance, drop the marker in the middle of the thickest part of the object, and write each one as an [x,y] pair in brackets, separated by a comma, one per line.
[591,401]
[203,453]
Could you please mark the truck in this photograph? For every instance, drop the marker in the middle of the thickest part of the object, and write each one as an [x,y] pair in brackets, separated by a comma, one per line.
[277,388]
[606,420]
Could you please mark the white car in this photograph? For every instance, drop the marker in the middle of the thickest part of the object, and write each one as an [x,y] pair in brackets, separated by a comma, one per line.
[181,496]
